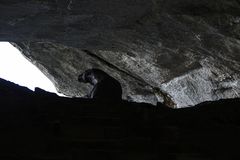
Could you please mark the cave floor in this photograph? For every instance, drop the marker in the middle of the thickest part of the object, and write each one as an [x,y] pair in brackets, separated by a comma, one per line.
[42,126]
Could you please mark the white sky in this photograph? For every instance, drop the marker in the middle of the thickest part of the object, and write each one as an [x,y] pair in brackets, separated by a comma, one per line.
[15,68]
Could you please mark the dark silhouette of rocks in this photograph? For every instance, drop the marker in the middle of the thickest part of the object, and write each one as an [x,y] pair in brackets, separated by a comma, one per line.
[40,125]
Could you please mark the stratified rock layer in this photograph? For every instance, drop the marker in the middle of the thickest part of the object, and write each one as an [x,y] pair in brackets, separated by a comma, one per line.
[178,52]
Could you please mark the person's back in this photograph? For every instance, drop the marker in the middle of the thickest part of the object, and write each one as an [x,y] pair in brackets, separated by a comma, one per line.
[105,86]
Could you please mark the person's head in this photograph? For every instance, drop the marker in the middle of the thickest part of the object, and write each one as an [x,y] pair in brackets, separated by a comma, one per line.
[91,76]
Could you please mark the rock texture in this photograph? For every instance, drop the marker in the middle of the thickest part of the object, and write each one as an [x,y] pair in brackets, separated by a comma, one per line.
[178,52]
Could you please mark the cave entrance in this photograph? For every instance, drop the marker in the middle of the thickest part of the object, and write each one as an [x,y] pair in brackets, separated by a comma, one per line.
[16,68]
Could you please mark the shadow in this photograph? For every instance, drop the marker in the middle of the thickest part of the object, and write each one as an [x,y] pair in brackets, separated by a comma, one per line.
[41,125]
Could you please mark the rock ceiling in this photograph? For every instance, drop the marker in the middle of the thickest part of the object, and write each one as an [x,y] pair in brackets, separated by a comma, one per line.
[180,52]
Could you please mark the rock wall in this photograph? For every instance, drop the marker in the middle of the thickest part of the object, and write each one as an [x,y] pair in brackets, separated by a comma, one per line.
[178,52]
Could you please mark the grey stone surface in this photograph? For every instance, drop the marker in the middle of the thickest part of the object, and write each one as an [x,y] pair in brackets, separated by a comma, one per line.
[178,52]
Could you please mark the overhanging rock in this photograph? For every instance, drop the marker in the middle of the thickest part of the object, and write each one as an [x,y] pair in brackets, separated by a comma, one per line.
[180,52]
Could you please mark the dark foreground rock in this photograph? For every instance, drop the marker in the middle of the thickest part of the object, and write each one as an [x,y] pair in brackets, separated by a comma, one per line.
[42,126]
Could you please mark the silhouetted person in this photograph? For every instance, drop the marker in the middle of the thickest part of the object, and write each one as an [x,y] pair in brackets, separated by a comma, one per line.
[105,86]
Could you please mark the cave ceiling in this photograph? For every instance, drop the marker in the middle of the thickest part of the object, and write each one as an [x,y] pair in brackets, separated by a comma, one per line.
[179,52]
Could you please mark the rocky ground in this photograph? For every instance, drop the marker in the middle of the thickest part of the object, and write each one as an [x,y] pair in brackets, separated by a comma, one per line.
[42,126]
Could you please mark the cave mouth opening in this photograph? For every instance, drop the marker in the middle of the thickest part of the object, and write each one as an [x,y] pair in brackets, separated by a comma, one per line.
[16,68]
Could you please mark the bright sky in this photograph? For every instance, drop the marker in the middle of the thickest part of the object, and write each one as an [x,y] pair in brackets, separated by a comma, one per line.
[15,68]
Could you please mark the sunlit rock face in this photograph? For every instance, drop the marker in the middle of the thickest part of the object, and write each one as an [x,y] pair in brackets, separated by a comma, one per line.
[179,52]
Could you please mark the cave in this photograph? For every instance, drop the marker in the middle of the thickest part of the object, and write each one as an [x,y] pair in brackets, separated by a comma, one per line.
[178,63]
